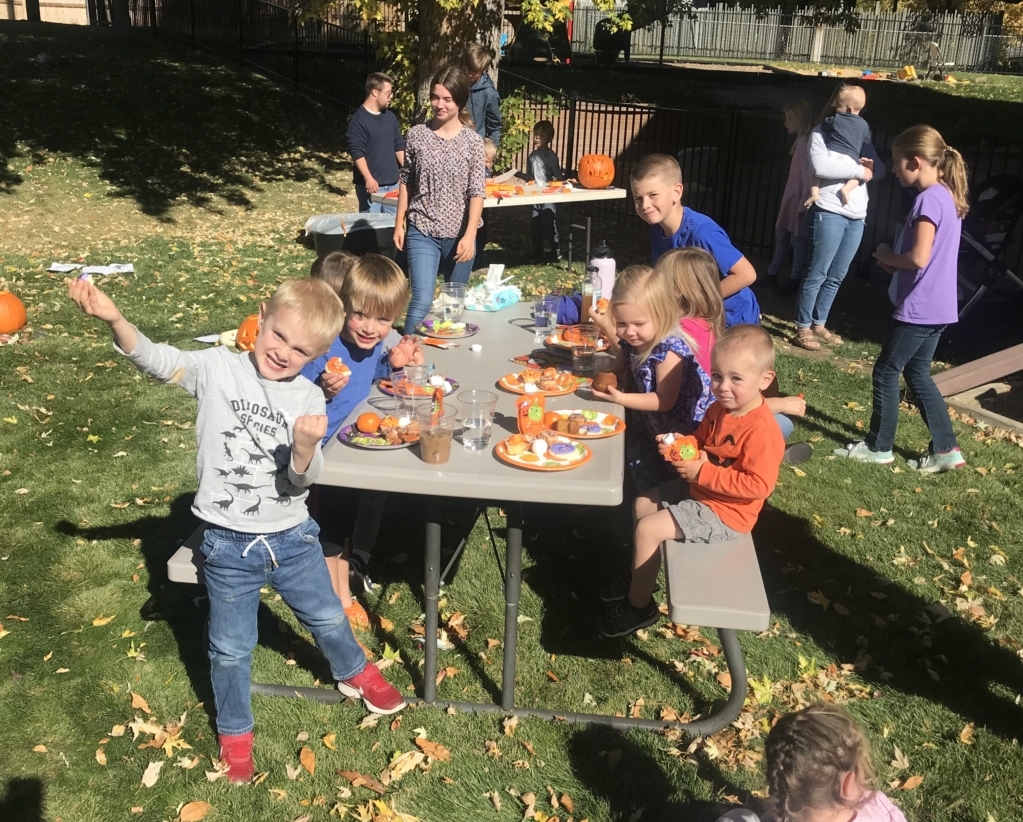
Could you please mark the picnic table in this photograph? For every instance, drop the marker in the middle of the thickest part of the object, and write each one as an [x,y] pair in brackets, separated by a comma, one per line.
[714,586]
[534,196]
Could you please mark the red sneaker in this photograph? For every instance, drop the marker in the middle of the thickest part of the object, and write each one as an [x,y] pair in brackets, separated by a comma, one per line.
[236,750]
[380,696]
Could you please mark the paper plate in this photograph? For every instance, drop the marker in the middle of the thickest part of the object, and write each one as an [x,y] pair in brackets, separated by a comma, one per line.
[372,442]
[511,382]
[558,341]
[610,425]
[386,388]
[430,328]
[531,462]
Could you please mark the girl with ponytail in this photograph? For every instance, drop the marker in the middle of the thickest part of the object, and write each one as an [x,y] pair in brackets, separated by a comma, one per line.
[440,194]
[818,770]
[925,295]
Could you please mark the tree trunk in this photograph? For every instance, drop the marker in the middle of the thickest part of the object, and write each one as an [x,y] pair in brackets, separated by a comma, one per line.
[121,13]
[444,34]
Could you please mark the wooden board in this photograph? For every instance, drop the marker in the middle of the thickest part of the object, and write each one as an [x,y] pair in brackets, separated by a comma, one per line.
[986,369]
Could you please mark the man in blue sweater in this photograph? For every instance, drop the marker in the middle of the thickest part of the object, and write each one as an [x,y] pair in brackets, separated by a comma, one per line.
[376,144]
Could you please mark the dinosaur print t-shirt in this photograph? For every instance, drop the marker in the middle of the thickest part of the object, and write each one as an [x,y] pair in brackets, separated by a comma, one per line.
[247,481]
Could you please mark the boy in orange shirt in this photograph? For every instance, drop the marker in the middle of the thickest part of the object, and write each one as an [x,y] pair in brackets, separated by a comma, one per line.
[722,490]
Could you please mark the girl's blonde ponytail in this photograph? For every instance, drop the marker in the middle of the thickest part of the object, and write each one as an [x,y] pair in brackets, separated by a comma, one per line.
[925,142]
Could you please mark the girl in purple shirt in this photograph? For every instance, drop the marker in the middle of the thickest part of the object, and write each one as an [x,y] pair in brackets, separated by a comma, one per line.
[925,296]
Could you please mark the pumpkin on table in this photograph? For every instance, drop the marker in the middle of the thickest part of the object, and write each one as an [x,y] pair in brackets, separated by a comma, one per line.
[247,333]
[596,171]
[12,313]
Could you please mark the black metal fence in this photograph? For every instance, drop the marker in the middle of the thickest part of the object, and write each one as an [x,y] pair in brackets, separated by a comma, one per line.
[321,59]
[734,163]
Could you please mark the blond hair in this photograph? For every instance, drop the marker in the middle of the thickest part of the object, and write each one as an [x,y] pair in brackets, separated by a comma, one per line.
[489,147]
[375,286]
[320,311]
[808,753]
[663,166]
[478,58]
[802,113]
[750,340]
[654,292]
[696,277]
[841,90]
[332,268]
[928,145]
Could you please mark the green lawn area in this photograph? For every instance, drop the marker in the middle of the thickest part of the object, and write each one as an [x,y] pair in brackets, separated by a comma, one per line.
[892,592]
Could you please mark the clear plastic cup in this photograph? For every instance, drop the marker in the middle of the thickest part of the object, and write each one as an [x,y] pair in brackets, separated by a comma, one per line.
[545,317]
[477,413]
[411,387]
[452,301]
[584,351]
[436,430]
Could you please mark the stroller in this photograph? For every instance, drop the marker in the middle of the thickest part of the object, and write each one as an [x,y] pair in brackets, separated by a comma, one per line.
[989,230]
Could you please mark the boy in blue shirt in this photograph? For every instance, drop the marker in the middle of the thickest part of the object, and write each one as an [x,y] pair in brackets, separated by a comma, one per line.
[375,293]
[657,192]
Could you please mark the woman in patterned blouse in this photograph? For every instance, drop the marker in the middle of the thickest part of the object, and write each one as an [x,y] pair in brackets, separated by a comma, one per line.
[441,193]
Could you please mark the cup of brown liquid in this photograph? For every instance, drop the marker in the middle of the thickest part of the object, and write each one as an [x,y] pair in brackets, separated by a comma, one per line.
[436,430]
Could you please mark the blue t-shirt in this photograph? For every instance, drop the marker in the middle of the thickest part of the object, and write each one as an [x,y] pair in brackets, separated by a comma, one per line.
[701,231]
[366,365]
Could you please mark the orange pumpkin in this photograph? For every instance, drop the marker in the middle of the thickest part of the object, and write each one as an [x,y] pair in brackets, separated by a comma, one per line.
[682,449]
[596,171]
[247,333]
[12,313]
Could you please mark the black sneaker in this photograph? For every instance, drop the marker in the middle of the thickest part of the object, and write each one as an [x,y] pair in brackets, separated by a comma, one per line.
[797,452]
[358,568]
[623,619]
[619,589]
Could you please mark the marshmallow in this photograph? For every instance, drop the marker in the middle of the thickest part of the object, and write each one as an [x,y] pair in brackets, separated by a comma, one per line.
[403,422]
[475,348]
[539,447]
[529,388]
[668,439]
[436,381]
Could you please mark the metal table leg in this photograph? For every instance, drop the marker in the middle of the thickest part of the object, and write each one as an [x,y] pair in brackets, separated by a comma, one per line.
[431,596]
[512,590]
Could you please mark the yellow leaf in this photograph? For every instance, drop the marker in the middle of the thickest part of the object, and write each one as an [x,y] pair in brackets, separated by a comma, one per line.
[328,741]
[101,756]
[308,760]
[966,734]
[912,783]
[63,671]
[509,725]
[386,624]
[818,598]
[799,472]
[194,811]
[277,794]
[863,512]
[39,749]
[117,730]
[93,438]
[100,621]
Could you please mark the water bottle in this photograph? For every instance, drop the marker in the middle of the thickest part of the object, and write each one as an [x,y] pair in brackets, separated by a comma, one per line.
[591,291]
[602,260]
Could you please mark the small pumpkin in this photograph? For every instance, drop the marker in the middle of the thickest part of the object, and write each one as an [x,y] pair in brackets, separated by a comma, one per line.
[683,449]
[596,171]
[247,333]
[12,313]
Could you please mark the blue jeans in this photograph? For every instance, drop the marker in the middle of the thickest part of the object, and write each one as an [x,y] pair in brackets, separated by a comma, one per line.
[783,241]
[237,565]
[908,350]
[835,240]
[785,424]
[367,205]
[428,256]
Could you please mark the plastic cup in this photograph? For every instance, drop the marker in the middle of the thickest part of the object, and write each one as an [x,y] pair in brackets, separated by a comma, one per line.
[452,301]
[412,389]
[545,317]
[584,351]
[477,412]
[436,430]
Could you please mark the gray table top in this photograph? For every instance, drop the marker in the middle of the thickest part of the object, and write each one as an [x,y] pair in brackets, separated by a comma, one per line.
[503,335]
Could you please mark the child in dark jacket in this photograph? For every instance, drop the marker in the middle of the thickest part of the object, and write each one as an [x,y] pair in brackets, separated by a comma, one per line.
[484,101]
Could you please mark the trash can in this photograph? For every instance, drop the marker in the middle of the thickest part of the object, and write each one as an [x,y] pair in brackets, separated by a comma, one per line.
[361,233]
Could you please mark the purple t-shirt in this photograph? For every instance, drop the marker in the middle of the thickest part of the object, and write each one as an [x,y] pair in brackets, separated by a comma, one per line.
[928,296]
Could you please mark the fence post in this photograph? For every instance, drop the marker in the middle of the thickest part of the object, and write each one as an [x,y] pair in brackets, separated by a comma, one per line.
[152,15]
[241,32]
[294,56]
[571,130]
[191,23]
[660,56]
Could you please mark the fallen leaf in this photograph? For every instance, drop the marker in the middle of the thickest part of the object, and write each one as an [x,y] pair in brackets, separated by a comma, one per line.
[529,800]
[567,804]
[434,750]
[369,721]
[194,811]
[302,736]
[63,671]
[100,621]
[39,749]
[329,741]
[395,723]
[277,794]
[863,512]
[725,679]
[101,756]
[818,598]
[912,783]
[509,725]
[292,771]
[492,749]
[494,797]
[187,762]
[152,773]
[840,609]
[900,762]
[401,765]
[138,702]
[966,734]
[363,780]
[48,657]
[386,624]
[117,730]
[308,760]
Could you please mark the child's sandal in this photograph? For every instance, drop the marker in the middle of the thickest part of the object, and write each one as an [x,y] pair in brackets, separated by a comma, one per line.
[805,339]
[822,333]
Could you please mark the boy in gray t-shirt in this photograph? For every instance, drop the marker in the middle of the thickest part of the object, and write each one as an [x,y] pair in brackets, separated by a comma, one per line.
[258,430]
[545,169]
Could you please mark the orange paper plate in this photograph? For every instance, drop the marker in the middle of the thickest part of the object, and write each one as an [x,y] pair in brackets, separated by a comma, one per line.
[511,382]
[558,341]
[610,425]
[531,462]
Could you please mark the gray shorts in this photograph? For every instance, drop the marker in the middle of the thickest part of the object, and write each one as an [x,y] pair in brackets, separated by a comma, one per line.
[696,519]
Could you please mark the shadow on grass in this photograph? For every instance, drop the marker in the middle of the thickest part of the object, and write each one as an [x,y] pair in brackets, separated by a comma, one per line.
[22,801]
[161,125]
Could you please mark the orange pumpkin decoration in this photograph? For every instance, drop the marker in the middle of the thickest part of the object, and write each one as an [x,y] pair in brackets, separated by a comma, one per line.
[247,333]
[368,423]
[683,449]
[530,414]
[12,313]
[550,419]
[596,171]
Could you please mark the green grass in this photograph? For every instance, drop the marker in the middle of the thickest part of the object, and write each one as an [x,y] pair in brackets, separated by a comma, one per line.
[86,524]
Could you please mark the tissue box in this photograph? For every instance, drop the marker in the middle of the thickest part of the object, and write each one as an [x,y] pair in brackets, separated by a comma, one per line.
[483,298]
